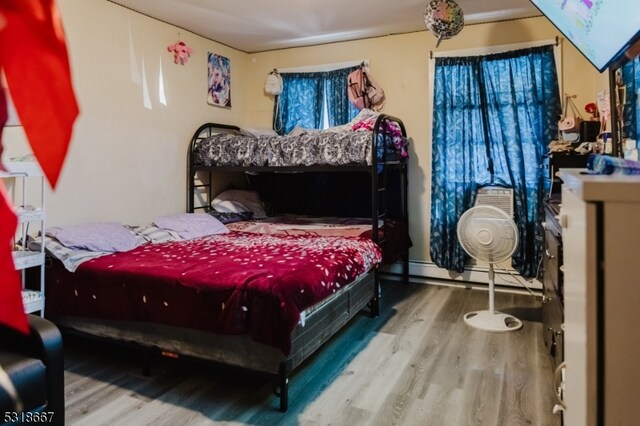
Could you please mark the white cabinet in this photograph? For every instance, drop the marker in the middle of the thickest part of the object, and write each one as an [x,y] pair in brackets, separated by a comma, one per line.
[25,183]
[600,216]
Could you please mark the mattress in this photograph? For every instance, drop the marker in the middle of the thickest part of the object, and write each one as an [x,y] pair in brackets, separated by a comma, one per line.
[307,149]
[234,284]
[322,320]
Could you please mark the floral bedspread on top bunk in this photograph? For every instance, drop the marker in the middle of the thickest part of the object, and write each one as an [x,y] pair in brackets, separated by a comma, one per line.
[233,283]
[338,146]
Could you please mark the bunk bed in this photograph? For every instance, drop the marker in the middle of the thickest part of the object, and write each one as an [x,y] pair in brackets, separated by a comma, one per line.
[380,155]
[288,328]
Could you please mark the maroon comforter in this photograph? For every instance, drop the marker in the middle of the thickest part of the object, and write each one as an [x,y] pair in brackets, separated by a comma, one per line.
[236,283]
[394,232]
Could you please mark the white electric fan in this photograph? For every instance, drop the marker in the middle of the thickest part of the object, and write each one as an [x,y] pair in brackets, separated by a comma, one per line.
[489,235]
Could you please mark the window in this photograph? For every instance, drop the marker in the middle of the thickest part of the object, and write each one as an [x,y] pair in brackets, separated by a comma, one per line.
[493,117]
[314,100]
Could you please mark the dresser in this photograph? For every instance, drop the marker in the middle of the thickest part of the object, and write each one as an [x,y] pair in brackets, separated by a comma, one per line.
[600,219]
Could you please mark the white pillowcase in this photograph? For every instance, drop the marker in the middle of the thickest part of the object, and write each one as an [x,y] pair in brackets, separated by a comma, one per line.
[99,237]
[191,225]
[237,201]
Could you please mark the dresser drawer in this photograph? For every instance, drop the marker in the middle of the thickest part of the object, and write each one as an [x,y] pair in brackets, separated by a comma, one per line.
[552,320]
[552,262]
[552,280]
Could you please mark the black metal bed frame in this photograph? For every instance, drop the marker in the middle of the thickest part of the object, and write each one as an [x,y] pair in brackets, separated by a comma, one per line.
[379,200]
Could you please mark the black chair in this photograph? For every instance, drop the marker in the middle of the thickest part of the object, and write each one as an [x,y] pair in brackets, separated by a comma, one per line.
[35,365]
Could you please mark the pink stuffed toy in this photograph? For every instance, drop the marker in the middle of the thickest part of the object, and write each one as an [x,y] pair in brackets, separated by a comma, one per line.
[181,52]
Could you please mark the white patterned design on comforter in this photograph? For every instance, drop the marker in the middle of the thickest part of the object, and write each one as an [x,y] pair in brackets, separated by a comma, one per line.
[308,149]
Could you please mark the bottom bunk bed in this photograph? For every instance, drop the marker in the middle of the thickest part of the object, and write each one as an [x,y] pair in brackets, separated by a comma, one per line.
[259,302]
[322,322]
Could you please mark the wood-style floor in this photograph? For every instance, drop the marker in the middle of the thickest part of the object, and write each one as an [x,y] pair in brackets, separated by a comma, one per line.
[418,363]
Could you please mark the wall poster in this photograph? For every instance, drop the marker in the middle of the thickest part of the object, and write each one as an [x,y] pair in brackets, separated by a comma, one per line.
[219,81]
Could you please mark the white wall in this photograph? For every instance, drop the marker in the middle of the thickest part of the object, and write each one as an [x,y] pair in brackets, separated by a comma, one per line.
[127,162]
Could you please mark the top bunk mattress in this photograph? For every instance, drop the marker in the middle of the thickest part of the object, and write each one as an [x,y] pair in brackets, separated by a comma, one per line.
[347,145]
[307,149]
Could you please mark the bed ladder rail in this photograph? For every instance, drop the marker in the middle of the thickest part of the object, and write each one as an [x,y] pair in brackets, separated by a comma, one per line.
[205,131]
[380,185]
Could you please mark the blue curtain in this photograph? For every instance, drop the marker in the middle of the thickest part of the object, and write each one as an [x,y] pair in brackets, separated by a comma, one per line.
[300,103]
[631,78]
[494,117]
[339,109]
[303,99]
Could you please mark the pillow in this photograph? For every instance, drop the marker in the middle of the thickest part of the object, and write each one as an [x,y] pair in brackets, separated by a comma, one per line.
[154,234]
[237,201]
[345,128]
[231,217]
[102,236]
[191,225]
[255,131]
[297,131]
[70,258]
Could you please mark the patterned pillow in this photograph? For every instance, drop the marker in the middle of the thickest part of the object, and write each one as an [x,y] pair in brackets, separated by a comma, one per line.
[154,234]
[231,217]
[70,258]
[239,200]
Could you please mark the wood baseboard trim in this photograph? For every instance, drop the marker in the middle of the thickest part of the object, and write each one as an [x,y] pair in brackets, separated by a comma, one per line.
[474,276]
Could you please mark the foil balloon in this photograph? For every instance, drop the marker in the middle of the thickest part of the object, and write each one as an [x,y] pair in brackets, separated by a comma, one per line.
[444,18]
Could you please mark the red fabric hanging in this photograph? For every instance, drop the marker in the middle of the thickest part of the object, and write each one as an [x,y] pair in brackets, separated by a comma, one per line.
[33,56]
[11,308]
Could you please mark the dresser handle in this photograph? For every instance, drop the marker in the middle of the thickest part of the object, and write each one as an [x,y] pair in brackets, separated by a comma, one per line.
[564,220]
[558,385]
[549,255]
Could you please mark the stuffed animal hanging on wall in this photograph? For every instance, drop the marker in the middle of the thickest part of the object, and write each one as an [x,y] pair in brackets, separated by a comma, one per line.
[181,52]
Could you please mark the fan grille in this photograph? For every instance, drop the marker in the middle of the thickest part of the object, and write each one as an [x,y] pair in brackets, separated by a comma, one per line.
[487,234]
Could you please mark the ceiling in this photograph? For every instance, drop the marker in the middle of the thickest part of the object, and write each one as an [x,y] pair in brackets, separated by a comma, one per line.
[259,25]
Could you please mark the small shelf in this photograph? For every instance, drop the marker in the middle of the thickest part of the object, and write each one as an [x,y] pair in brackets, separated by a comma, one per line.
[27,259]
[27,188]
[21,168]
[30,215]
[33,301]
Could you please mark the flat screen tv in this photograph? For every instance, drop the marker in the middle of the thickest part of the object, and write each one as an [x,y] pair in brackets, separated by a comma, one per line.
[601,30]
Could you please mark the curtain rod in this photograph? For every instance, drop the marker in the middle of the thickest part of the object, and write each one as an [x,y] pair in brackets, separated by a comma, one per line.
[495,49]
[324,67]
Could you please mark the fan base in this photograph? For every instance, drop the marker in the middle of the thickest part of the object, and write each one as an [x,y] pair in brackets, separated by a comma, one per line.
[492,321]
